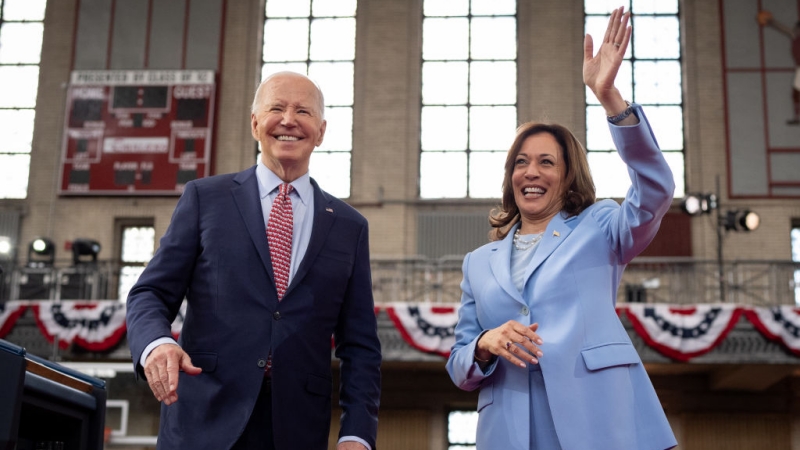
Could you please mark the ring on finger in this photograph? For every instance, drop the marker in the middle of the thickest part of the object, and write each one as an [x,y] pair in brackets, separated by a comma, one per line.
[617,44]
[508,345]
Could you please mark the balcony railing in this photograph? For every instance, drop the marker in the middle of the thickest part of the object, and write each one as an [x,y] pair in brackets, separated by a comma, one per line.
[419,279]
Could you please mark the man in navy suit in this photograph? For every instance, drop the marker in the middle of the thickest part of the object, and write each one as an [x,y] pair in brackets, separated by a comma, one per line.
[252,367]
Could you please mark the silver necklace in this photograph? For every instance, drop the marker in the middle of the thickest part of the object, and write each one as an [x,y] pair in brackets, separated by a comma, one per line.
[523,244]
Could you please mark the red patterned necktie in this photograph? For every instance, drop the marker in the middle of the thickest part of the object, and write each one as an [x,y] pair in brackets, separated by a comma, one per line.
[279,237]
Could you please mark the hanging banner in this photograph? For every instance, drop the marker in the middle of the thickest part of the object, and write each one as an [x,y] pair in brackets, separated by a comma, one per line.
[682,332]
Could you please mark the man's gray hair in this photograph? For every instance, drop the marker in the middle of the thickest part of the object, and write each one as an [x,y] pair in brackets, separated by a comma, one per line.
[287,72]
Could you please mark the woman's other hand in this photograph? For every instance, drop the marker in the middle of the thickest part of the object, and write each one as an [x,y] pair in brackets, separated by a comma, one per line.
[513,341]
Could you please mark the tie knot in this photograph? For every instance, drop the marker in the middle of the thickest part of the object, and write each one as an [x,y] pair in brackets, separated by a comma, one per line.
[285,189]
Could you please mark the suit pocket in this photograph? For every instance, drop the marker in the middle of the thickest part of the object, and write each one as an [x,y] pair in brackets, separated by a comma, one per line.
[205,361]
[319,385]
[486,396]
[610,355]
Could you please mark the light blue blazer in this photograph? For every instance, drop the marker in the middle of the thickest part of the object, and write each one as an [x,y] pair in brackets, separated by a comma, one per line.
[599,393]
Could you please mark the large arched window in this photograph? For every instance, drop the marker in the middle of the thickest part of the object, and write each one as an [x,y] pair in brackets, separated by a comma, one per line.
[21,30]
[649,76]
[469,96]
[318,38]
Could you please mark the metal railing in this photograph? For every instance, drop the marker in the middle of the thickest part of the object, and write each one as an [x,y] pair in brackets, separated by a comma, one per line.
[420,279]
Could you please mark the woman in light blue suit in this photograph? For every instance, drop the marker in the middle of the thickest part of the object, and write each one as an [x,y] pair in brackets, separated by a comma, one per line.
[537,330]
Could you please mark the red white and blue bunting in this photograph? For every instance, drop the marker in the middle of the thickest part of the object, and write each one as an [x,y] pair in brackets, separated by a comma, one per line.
[95,326]
[779,323]
[682,333]
[426,327]
[679,332]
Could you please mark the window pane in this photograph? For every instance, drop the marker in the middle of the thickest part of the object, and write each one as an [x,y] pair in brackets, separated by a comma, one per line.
[494,7]
[288,8]
[655,6]
[443,175]
[335,80]
[269,69]
[676,163]
[18,86]
[16,129]
[667,125]
[333,39]
[339,131]
[138,244]
[486,174]
[444,39]
[24,9]
[657,82]
[286,40]
[493,38]
[128,275]
[334,8]
[21,43]
[446,7]
[332,172]
[444,128]
[656,37]
[444,83]
[461,427]
[491,127]
[604,6]
[598,136]
[610,174]
[14,173]
[493,83]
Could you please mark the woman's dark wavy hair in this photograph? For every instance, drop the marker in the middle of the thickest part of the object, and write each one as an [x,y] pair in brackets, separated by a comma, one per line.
[579,192]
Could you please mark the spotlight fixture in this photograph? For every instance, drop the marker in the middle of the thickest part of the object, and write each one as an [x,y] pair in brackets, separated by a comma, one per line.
[82,248]
[41,252]
[741,220]
[5,247]
[696,204]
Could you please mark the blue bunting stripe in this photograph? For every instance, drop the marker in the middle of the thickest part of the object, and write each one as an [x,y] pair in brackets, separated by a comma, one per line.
[428,328]
[10,311]
[683,332]
[779,323]
[95,326]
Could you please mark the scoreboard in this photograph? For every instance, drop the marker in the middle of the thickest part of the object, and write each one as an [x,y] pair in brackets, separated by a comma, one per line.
[136,132]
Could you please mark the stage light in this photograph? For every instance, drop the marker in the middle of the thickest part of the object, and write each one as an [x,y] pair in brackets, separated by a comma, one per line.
[5,246]
[741,220]
[41,252]
[696,204]
[82,248]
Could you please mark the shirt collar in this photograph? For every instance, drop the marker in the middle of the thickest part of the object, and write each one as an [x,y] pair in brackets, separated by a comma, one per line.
[269,182]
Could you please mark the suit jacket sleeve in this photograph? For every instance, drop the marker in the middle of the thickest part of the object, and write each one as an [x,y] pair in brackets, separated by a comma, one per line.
[155,299]
[359,351]
[633,227]
[461,365]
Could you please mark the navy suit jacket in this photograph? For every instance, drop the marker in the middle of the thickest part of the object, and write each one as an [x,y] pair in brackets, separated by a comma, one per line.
[215,254]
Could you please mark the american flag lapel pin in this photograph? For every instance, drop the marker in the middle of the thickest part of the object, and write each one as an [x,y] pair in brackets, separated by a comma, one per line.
[556,233]
[330,210]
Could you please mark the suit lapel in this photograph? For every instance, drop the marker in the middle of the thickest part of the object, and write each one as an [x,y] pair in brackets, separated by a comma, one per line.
[245,194]
[556,232]
[324,217]
[500,264]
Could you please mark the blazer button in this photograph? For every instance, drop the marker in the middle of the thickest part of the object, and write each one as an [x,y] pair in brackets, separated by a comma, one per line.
[262,363]
[276,315]
[524,311]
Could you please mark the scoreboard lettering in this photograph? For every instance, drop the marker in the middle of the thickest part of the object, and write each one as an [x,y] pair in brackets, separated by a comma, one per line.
[141,132]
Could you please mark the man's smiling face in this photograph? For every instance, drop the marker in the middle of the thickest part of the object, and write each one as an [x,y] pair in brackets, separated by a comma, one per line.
[288,121]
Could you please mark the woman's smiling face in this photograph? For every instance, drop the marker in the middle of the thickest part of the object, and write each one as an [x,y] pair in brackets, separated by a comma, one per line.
[538,177]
